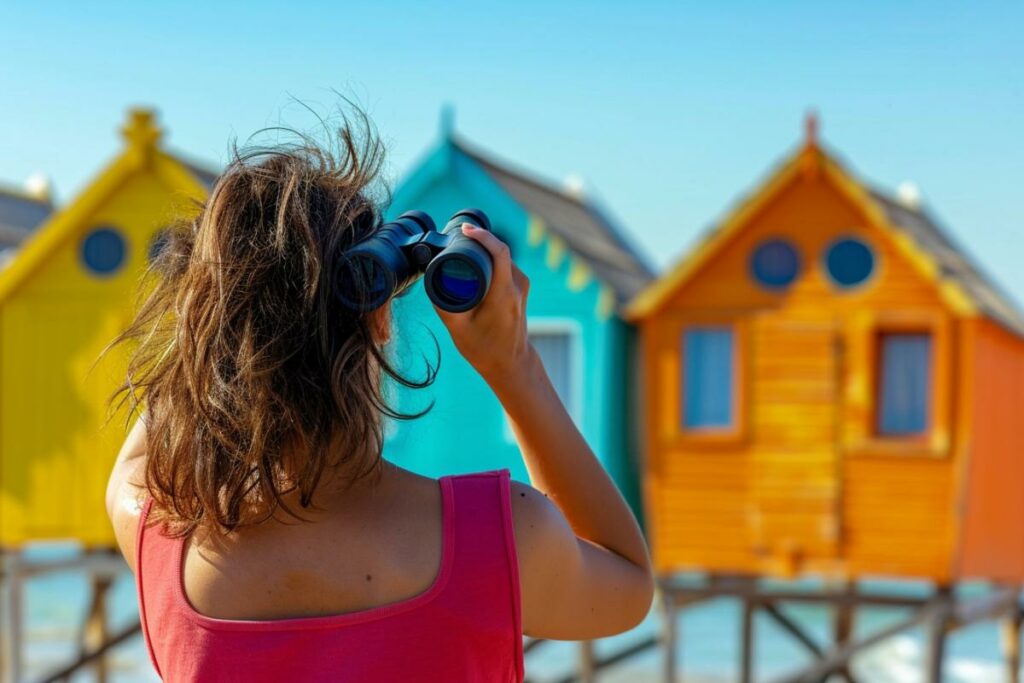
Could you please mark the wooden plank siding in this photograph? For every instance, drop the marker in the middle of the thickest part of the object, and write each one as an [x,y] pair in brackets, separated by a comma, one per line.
[993,489]
[802,482]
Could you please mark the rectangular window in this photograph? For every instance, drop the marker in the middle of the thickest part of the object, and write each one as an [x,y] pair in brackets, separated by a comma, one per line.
[904,383]
[708,378]
[555,351]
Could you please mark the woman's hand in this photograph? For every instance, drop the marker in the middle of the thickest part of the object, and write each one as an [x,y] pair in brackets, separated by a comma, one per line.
[492,336]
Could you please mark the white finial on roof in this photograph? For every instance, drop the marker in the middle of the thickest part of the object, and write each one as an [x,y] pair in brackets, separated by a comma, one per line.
[909,194]
[38,186]
[575,186]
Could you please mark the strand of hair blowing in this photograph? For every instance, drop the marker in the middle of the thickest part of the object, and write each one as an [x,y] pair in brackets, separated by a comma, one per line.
[256,381]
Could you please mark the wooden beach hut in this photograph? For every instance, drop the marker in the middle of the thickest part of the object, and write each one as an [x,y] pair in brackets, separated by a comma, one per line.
[65,294]
[831,388]
[66,289]
[582,268]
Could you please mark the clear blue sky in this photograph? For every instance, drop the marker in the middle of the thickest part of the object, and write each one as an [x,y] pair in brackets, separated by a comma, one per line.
[671,111]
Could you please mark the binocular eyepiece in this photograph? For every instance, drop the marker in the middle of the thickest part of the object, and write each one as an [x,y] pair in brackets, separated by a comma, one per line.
[456,269]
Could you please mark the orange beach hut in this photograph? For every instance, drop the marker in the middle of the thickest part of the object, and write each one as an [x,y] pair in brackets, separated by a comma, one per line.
[832,387]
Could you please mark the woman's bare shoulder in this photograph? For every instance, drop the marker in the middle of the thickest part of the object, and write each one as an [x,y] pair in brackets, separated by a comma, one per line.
[126,491]
[548,555]
[537,521]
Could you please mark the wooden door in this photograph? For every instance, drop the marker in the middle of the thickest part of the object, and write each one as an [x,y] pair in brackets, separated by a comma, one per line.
[796,368]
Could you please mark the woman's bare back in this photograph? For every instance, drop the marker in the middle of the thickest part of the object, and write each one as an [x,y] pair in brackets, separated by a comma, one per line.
[376,543]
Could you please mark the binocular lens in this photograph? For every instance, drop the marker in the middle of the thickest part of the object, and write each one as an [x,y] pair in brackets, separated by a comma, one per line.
[457,281]
[367,279]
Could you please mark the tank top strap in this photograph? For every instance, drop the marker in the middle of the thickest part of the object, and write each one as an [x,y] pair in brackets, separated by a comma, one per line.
[485,572]
[157,578]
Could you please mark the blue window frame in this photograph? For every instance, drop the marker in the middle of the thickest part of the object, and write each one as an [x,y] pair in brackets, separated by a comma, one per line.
[850,262]
[708,378]
[555,351]
[103,251]
[775,264]
[904,383]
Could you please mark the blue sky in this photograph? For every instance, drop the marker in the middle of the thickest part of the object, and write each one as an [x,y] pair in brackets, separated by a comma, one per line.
[670,111]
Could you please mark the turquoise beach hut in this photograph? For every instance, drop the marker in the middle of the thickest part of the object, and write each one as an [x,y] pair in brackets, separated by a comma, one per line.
[582,271]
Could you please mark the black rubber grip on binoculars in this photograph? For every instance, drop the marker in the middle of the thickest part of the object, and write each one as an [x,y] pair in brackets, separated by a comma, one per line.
[479,218]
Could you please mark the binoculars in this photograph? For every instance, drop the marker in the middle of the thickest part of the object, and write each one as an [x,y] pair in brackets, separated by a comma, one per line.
[456,269]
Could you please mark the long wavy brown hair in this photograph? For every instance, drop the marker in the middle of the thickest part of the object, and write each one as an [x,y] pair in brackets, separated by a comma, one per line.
[255,380]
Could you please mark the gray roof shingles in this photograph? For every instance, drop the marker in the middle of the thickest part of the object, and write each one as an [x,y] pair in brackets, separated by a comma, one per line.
[206,175]
[584,228]
[953,261]
[20,215]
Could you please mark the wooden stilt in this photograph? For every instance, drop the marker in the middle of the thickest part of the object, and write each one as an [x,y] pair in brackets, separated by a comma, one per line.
[94,629]
[669,626]
[1010,632]
[13,621]
[834,659]
[3,617]
[842,629]
[791,627]
[588,673]
[938,628]
[64,674]
[747,646]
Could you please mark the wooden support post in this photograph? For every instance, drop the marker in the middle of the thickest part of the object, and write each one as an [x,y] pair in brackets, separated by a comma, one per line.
[747,651]
[842,628]
[938,628]
[669,635]
[12,624]
[837,657]
[792,628]
[64,674]
[94,629]
[588,672]
[1010,632]
[3,617]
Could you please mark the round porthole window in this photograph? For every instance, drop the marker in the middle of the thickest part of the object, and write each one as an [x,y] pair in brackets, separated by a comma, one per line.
[775,264]
[849,262]
[103,251]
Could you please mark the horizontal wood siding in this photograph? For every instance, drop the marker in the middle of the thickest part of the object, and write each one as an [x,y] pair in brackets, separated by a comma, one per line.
[898,515]
[802,483]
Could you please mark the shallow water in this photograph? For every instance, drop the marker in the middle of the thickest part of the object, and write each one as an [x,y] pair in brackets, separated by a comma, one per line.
[708,646]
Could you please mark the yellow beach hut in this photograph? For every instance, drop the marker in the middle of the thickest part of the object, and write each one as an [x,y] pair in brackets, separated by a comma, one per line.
[66,292]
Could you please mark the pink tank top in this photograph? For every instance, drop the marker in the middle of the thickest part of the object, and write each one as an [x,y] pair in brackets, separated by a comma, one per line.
[465,627]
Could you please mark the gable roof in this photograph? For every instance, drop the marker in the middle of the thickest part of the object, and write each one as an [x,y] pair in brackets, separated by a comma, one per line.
[585,229]
[141,151]
[963,284]
[203,174]
[953,261]
[20,214]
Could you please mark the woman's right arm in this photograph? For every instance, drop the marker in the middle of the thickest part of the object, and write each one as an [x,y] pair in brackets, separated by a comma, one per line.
[584,567]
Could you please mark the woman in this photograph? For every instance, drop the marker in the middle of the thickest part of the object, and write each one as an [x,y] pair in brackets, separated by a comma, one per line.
[270,538]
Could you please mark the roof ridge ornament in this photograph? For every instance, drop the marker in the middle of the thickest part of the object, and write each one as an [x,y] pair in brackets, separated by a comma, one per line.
[447,121]
[141,131]
[811,126]
[810,156]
